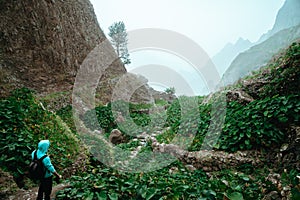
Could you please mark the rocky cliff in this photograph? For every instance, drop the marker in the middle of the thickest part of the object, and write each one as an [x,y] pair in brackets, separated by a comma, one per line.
[284,32]
[44,42]
[288,16]
[260,54]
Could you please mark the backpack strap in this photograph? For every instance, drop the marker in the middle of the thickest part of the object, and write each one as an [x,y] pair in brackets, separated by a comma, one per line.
[41,161]
[41,158]
[35,155]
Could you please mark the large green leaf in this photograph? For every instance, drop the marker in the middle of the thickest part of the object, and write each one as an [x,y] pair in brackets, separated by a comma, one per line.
[235,196]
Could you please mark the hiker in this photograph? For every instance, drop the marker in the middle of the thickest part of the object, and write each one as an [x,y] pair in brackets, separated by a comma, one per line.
[46,181]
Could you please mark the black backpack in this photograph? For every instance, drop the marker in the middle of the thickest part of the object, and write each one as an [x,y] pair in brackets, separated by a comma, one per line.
[36,168]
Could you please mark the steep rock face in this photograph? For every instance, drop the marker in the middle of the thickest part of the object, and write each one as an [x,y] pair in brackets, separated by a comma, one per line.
[44,42]
[260,54]
[288,16]
[284,32]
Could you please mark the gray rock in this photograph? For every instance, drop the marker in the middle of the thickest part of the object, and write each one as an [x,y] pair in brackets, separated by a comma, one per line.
[116,137]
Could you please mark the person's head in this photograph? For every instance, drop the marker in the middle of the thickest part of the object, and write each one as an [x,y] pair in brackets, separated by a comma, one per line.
[43,146]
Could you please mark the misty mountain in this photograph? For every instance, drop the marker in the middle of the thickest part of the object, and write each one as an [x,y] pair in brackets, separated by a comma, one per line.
[288,16]
[223,59]
[259,55]
[284,32]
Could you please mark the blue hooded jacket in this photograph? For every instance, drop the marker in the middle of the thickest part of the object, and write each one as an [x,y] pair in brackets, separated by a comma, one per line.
[43,147]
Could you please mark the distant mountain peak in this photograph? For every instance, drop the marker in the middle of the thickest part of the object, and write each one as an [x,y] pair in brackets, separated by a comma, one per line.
[287,16]
[223,59]
[260,54]
[228,45]
[242,40]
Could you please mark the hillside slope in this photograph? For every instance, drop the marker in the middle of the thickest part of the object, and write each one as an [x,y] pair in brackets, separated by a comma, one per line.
[255,157]
[288,16]
[24,122]
[259,143]
[259,55]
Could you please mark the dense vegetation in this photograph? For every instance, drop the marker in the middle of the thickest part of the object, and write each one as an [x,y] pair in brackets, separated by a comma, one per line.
[260,125]
[23,123]
[174,182]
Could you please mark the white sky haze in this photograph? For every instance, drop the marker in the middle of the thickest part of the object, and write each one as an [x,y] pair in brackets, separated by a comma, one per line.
[211,24]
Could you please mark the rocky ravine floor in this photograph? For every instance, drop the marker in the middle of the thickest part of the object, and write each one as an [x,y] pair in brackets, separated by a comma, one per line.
[32,193]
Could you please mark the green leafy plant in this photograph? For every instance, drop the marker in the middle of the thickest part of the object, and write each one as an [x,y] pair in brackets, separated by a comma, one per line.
[100,118]
[173,182]
[23,122]
[260,123]
[284,76]
[66,115]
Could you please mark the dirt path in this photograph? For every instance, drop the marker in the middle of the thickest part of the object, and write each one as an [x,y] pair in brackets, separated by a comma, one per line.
[32,193]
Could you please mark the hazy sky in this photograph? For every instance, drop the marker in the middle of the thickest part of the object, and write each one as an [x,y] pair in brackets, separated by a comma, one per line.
[210,23]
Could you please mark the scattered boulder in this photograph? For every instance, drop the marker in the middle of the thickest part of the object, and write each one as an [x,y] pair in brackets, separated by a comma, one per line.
[143,136]
[116,137]
[239,96]
[190,167]
[173,170]
[272,195]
